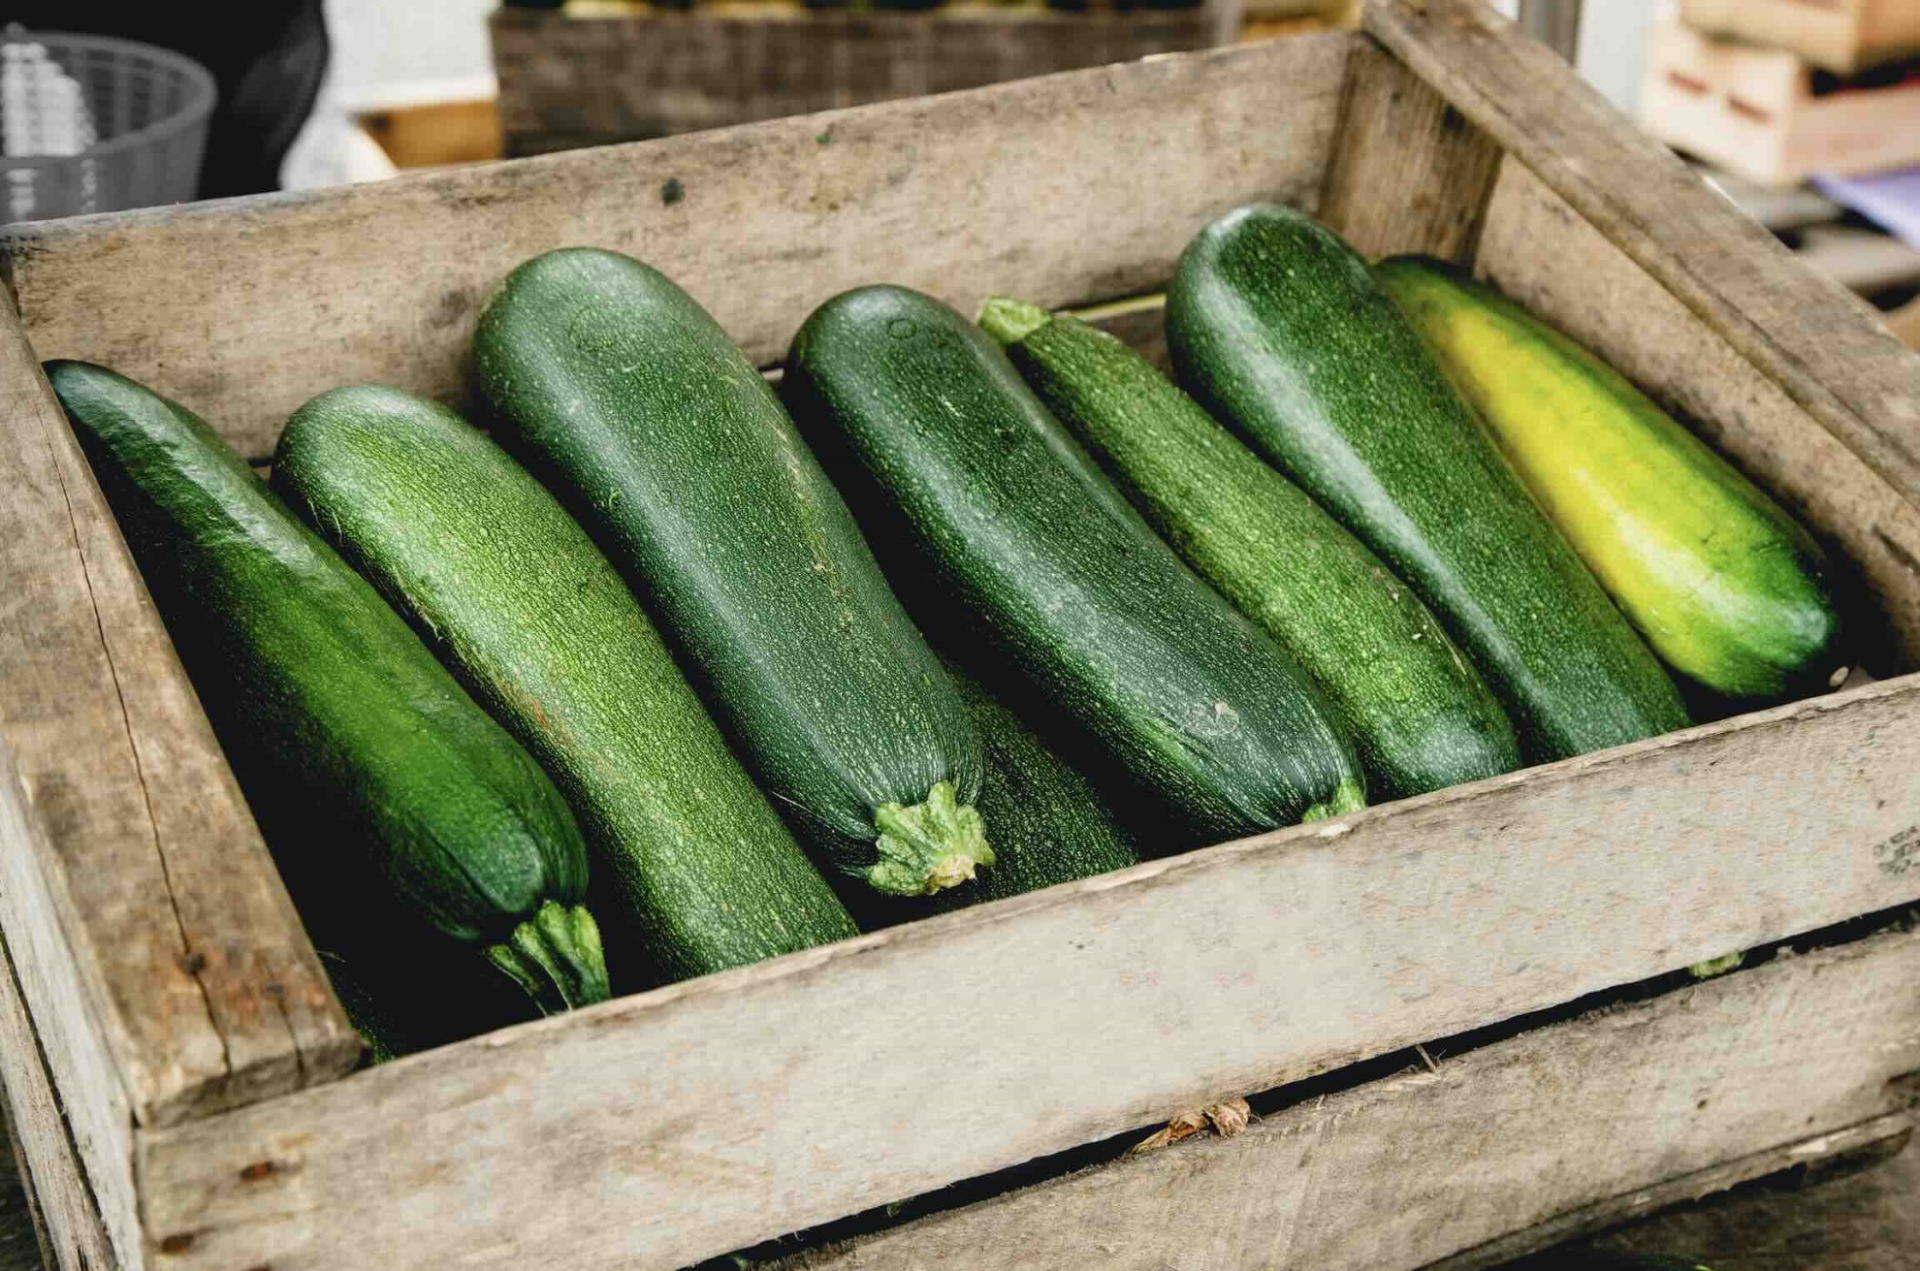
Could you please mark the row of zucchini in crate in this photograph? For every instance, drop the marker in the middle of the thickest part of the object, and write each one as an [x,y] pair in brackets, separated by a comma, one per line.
[677,671]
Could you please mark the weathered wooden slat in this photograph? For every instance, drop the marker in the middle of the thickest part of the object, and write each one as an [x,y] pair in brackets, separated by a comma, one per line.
[1792,324]
[36,909]
[1034,188]
[66,1216]
[1409,173]
[1494,1153]
[1851,1147]
[1544,254]
[208,992]
[584,77]
[734,1108]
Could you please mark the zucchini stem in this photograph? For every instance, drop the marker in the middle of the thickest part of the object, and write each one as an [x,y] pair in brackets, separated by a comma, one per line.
[928,847]
[1010,321]
[556,957]
[1349,797]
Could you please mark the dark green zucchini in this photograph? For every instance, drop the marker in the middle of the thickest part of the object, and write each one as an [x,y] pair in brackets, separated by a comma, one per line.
[1052,824]
[1420,716]
[1279,330]
[540,628]
[673,450]
[1002,511]
[347,736]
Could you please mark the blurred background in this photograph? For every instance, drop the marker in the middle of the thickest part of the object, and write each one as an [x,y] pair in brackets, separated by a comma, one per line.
[1806,113]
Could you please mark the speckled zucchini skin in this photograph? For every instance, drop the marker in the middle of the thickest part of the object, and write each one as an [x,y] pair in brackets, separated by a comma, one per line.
[676,454]
[1724,585]
[350,740]
[1006,514]
[1279,330]
[514,597]
[1419,715]
[1052,824]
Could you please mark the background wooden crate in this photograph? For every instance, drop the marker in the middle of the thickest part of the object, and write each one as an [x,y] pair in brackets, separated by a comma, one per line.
[185,1103]
[1841,35]
[587,76]
[1754,111]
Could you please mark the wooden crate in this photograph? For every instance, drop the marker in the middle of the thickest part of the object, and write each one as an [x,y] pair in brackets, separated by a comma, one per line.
[1754,111]
[180,1070]
[1841,35]
[594,75]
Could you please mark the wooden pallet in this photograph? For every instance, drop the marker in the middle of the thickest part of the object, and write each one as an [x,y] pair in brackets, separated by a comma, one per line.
[1754,111]
[1841,35]
[188,1078]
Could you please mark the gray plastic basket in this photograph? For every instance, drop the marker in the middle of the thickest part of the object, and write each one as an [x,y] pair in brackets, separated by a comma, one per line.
[93,124]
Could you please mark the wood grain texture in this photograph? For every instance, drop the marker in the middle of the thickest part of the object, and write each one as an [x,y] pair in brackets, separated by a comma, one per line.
[91,1120]
[382,283]
[1409,173]
[1541,252]
[1869,1140]
[573,78]
[731,1109]
[67,1217]
[1797,328]
[208,992]
[1492,1154]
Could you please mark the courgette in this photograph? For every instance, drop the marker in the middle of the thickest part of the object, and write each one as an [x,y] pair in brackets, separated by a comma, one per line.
[347,736]
[672,449]
[1724,585]
[1052,824]
[1003,512]
[1280,331]
[1419,715]
[529,615]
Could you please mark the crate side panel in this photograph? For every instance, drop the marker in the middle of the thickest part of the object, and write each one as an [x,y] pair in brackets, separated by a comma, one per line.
[732,1109]
[1573,1119]
[1065,189]
[66,1213]
[1409,173]
[36,912]
[1544,254]
[207,990]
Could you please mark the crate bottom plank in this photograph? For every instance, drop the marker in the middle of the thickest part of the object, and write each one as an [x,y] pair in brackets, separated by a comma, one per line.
[1500,1151]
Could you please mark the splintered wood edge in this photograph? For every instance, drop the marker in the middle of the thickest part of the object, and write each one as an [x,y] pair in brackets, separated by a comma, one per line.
[143,855]
[1822,345]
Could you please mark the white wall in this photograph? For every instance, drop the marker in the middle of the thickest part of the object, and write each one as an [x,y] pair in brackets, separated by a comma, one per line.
[381,43]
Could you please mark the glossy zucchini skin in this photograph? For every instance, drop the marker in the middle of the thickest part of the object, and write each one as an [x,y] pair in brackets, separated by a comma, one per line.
[1420,716]
[1722,583]
[673,451]
[516,600]
[1280,331]
[999,509]
[373,765]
